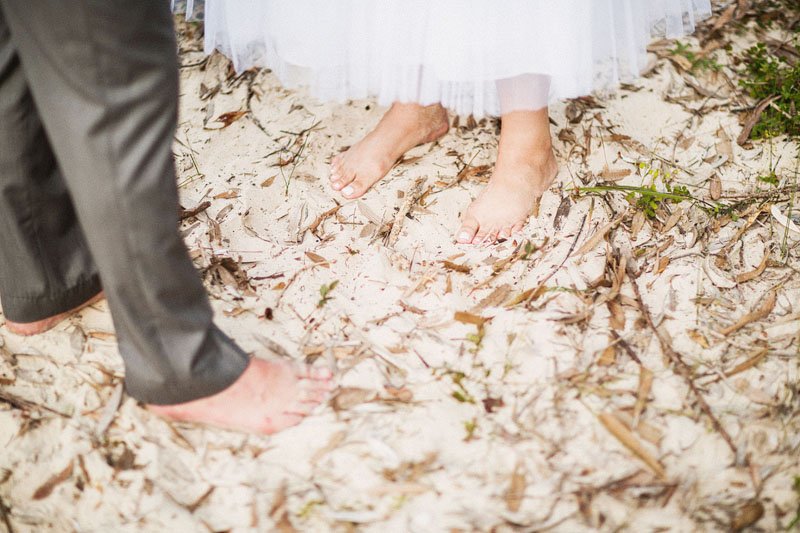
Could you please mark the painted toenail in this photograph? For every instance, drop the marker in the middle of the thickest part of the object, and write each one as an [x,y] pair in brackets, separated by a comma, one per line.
[347,191]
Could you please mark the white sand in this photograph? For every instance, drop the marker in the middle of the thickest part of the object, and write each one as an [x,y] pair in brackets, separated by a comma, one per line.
[401,452]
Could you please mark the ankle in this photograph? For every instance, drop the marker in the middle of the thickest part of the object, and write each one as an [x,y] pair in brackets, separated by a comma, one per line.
[539,158]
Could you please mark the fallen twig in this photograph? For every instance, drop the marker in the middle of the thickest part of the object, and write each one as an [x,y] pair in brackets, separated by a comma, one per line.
[680,366]
[4,510]
[412,198]
[27,405]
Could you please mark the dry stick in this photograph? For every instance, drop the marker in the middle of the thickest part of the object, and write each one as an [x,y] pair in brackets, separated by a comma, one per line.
[4,515]
[294,278]
[680,365]
[322,218]
[753,118]
[412,198]
[189,213]
[250,114]
[552,273]
[27,405]
[627,347]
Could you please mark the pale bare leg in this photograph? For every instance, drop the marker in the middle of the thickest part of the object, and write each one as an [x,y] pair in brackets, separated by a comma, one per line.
[402,128]
[526,166]
[27,329]
[268,397]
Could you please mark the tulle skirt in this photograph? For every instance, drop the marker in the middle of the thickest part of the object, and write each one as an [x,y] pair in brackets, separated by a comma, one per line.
[479,57]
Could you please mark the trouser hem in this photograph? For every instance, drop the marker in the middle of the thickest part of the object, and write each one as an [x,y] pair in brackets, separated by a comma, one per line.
[24,309]
[230,366]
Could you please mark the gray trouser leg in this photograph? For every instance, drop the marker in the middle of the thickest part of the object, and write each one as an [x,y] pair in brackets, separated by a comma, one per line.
[45,264]
[103,77]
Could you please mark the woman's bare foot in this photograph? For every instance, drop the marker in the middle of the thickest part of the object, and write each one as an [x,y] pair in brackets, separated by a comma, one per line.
[525,169]
[402,128]
[26,329]
[268,397]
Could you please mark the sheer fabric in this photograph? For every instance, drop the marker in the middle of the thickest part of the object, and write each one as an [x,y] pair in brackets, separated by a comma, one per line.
[475,57]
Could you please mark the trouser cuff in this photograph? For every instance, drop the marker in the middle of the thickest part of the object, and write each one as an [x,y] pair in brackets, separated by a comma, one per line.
[217,368]
[24,309]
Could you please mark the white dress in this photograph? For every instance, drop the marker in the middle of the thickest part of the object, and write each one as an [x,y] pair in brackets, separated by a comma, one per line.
[475,57]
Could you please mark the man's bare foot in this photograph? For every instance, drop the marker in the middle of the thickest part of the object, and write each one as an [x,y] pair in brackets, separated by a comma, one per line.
[268,397]
[526,167]
[26,329]
[402,128]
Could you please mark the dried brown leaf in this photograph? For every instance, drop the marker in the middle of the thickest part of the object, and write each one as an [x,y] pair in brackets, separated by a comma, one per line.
[749,363]
[753,274]
[226,119]
[617,315]
[609,356]
[516,489]
[464,269]
[753,118]
[479,174]
[663,263]
[316,258]
[615,174]
[761,312]
[598,236]
[399,394]
[496,298]
[724,146]
[724,18]
[715,187]
[468,318]
[348,397]
[637,224]
[336,439]
[228,195]
[645,384]
[55,480]
[672,220]
[629,440]
[279,512]
[698,337]
[749,514]
[562,212]
[189,213]
[648,432]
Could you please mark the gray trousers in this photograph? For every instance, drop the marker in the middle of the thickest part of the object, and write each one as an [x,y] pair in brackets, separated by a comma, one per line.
[88,107]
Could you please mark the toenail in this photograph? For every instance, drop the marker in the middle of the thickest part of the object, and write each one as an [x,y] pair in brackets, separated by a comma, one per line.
[463,236]
[347,191]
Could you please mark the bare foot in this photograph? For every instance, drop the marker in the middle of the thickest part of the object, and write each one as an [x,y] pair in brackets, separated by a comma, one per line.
[504,206]
[268,397]
[402,128]
[26,329]
[526,167]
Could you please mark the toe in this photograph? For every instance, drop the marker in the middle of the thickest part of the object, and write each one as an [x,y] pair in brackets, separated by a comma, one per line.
[481,236]
[491,236]
[355,189]
[517,227]
[342,181]
[469,228]
[505,233]
[336,168]
[313,396]
[315,373]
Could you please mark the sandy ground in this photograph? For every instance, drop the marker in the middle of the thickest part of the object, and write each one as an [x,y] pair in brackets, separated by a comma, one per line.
[521,386]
